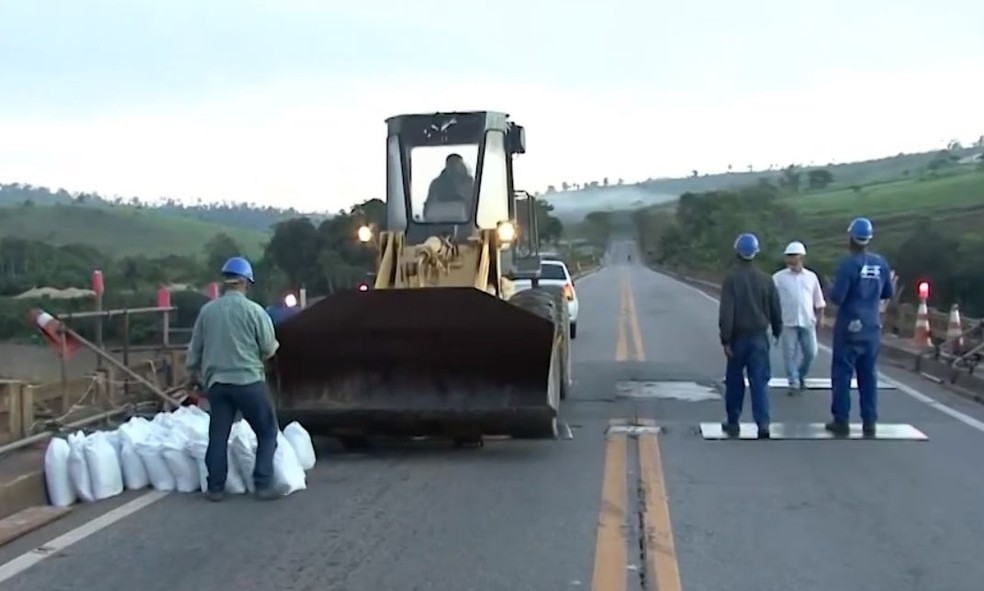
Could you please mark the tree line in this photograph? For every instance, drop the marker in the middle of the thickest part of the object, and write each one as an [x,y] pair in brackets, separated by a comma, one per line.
[321,255]
[698,235]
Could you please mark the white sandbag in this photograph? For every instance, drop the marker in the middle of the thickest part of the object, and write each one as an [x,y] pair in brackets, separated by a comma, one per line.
[234,481]
[242,445]
[180,463]
[114,439]
[60,491]
[104,466]
[191,423]
[287,470]
[151,451]
[300,440]
[136,430]
[78,470]
[135,475]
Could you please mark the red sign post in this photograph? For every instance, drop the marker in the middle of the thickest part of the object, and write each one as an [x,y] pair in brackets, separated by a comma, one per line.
[97,282]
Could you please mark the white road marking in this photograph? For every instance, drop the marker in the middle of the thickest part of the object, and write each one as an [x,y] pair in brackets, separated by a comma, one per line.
[31,558]
[916,394]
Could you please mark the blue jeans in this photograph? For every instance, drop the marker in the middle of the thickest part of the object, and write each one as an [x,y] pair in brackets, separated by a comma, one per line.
[251,401]
[850,356]
[749,352]
[798,339]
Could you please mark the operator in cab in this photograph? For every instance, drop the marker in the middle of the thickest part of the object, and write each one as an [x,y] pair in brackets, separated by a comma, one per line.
[453,186]
[232,339]
[862,280]
[749,308]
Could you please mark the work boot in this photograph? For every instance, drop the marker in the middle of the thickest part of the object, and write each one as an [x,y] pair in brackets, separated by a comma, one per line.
[269,493]
[731,429]
[763,431]
[215,496]
[869,429]
[838,428]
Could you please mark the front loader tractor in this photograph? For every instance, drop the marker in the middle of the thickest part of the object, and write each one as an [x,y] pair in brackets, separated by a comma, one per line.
[440,346]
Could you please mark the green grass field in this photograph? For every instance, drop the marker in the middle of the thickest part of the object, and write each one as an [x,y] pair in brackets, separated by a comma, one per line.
[120,230]
[955,203]
[907,196]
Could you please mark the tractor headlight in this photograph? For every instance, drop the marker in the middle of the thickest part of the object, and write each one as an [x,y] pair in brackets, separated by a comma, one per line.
[365,234]
[290,300]
[506,232]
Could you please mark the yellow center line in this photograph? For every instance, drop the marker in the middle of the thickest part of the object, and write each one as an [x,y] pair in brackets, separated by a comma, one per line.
[621,347]
[611,554]
[633,319]
[659,550]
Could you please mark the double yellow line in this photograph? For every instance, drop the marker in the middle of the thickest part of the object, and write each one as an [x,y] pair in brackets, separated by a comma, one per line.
[627,318]
[611,561]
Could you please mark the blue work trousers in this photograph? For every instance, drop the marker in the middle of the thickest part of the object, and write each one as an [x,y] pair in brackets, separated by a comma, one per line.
[801,340]
[252,402]
[750,352]
[850,356]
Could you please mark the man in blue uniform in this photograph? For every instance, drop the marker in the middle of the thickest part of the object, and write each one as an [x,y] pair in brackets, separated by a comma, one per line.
[749,308]
[863,279]
[283,310]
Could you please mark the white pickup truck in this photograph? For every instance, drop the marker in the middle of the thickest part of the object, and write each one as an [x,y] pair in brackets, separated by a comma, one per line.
[555,273]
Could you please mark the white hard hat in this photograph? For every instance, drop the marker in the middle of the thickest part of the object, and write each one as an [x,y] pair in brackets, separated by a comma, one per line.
[795,247]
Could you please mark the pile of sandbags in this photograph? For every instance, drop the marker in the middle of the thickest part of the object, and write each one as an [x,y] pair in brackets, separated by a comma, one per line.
[168,454]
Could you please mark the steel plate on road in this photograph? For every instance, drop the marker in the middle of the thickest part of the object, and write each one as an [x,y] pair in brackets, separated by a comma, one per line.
[893,431]
[819,384]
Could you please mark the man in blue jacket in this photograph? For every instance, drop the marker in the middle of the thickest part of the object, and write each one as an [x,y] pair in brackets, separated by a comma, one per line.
[862,280]
[749,309]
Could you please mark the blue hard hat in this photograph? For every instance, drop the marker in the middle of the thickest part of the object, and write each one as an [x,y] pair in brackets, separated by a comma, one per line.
[861,230]
[240,267]
[747,246]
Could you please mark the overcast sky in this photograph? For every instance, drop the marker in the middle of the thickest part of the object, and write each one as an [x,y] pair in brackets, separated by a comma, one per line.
[282,101]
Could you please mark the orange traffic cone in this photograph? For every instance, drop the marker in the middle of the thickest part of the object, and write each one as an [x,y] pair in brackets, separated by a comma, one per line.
[954,332]
[921,336]
[50,328]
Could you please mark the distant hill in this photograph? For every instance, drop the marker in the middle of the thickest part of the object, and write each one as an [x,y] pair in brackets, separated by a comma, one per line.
[247,216]
[573,205]
[120,230]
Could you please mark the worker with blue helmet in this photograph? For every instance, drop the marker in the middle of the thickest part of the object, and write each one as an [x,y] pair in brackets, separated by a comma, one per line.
[232,339]
[862,280]
[749,309]
[283,310]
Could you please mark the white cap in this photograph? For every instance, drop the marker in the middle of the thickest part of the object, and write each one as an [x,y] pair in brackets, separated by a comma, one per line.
[795,247]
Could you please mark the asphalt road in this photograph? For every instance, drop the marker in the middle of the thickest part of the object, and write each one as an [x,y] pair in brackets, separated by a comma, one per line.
[742,515]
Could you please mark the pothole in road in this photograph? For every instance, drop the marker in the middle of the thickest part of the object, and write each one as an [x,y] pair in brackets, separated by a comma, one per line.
[667,390]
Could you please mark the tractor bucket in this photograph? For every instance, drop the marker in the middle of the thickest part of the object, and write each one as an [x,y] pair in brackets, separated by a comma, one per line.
[448,362]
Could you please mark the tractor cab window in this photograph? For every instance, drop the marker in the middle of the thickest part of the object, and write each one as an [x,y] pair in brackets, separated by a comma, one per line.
[442,183]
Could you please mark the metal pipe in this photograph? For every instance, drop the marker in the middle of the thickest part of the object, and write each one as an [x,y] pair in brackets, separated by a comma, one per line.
[168,401]
[115,312]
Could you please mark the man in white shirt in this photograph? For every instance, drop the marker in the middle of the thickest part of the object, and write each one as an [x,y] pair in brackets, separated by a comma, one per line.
[802,304]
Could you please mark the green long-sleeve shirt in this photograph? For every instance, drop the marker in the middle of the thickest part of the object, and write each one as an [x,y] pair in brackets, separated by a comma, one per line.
[233,336]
